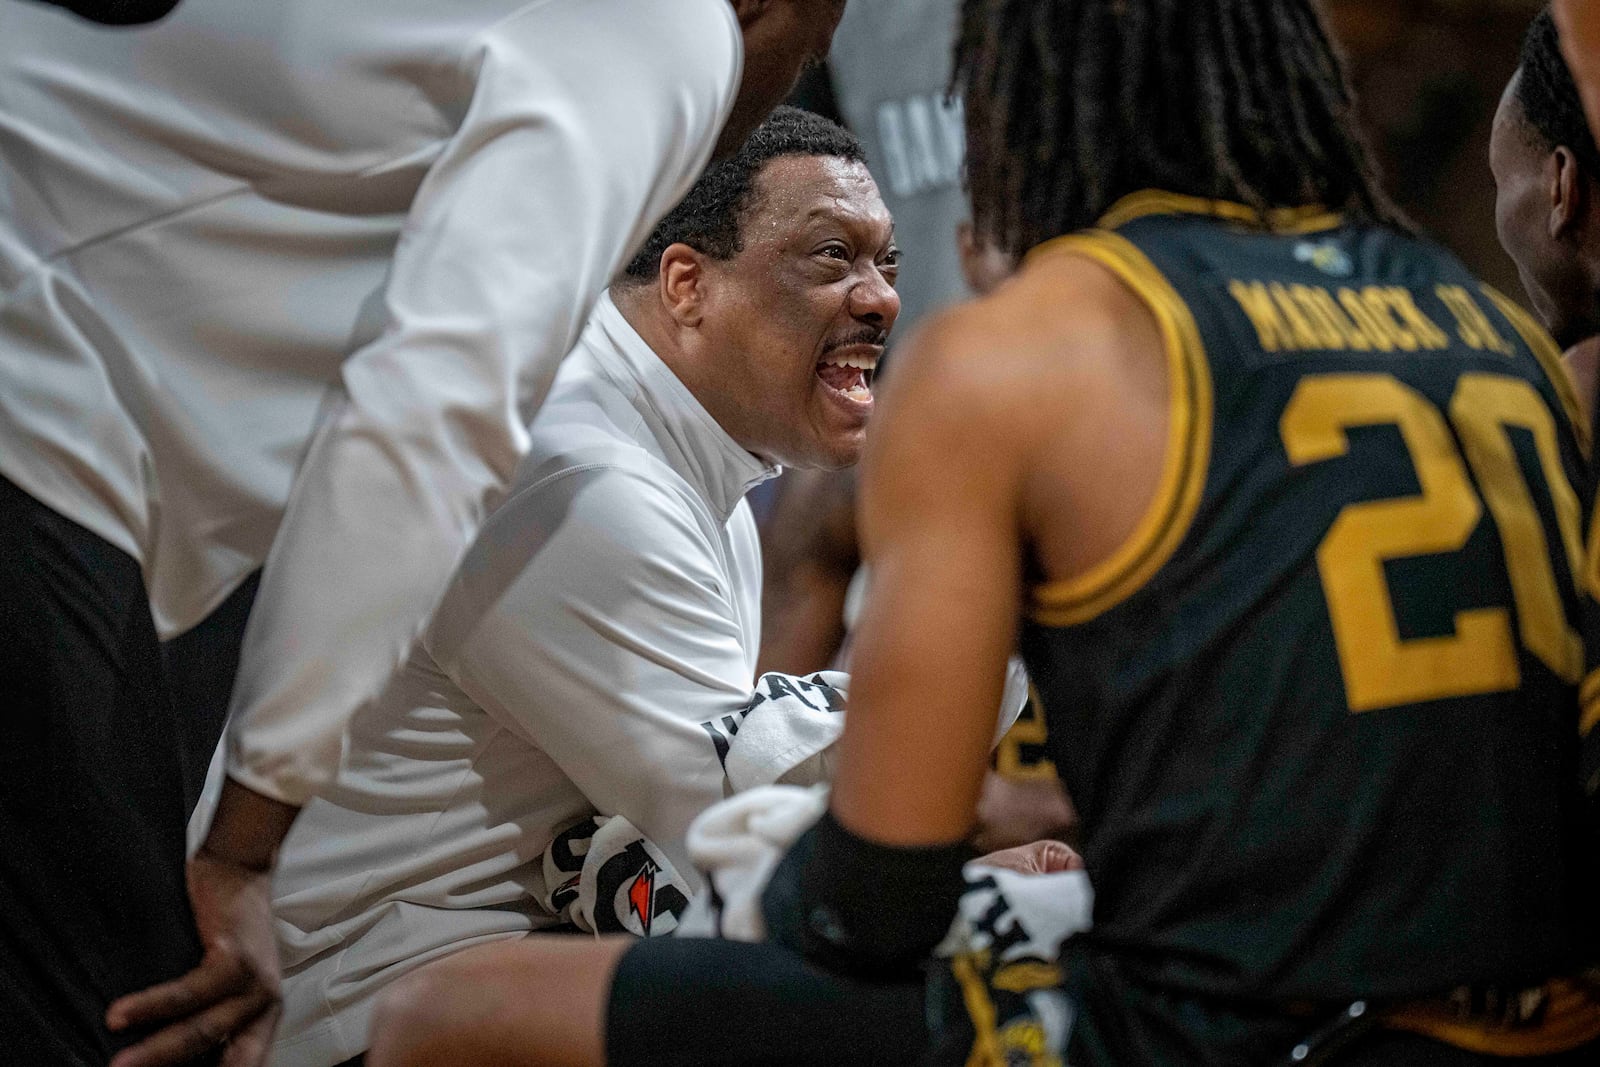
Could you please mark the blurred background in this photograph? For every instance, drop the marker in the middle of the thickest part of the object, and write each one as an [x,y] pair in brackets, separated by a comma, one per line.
[1428,72]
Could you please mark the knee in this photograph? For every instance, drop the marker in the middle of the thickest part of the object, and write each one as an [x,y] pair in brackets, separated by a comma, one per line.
[416,1021]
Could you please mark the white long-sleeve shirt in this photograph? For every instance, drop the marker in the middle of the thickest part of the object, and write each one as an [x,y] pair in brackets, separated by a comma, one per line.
[201,221]
[608,611]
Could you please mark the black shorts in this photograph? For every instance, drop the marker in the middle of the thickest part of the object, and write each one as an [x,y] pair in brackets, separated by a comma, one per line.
[705,1003]
[1028,1011]
[99,764]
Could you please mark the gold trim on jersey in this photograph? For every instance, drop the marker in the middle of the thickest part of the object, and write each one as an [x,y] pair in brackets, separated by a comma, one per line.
[980,1010]
[1312,218]
[1076,600]
[1548,354]
[1570,1019]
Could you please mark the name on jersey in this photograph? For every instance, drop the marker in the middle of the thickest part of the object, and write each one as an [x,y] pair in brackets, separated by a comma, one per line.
[1374,318]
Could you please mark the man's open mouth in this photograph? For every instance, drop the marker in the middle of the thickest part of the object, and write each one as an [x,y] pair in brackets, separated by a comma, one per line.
[849,375]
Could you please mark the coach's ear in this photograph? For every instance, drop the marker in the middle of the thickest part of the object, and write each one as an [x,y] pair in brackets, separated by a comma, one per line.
[682,281]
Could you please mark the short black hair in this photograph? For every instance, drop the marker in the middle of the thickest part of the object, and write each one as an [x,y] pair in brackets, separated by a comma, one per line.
[710,218]
[1549,96]
[1073,104]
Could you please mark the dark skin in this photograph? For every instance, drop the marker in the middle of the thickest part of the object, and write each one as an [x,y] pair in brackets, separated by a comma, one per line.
[231,1000]
[1547,219]
[816,277]
[809,555]
[1547,214]
[809,543]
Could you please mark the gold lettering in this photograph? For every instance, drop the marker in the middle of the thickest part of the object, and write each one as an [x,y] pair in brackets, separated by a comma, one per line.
[1428,334]
[1375,327]
[1263,314]
[1327,330]
[1376,297]
[1304,335]
[1354,336]
[1473,326]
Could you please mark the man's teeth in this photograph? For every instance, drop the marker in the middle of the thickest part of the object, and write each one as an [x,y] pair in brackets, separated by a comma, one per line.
[861,362]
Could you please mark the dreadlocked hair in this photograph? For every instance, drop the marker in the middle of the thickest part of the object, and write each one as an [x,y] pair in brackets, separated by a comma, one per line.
[1073,104]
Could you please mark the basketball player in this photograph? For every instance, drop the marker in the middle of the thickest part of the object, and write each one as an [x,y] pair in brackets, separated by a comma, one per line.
[1281,500]
[199,222]
[1547,175]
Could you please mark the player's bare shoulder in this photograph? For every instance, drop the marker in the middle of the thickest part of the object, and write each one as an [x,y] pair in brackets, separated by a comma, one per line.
[1062,336]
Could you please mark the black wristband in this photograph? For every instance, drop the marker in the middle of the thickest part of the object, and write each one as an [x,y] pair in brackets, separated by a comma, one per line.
[863,909]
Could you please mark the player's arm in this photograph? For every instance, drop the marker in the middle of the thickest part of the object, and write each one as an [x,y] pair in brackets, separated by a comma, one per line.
[809,553]
[940,508]
[1019,416]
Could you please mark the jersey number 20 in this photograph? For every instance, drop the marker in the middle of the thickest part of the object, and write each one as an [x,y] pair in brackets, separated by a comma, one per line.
[1381,669]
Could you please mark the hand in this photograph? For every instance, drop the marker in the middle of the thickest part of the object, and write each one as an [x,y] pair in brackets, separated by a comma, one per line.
[1016,811]
[231,1000]
[1041,857]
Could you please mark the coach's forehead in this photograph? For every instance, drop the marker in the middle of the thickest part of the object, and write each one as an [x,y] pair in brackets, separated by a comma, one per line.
[793,190]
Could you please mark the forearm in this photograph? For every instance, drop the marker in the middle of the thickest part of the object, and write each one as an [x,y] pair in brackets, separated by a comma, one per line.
[802,623]
[248,828]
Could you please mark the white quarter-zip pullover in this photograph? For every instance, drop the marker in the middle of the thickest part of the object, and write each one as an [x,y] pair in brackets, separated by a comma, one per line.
[607,612]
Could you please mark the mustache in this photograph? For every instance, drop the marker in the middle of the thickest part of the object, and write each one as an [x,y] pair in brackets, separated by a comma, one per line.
[867,335]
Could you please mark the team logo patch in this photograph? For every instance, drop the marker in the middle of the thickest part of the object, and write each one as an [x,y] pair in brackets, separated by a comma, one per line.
[642,895]
[1326,256]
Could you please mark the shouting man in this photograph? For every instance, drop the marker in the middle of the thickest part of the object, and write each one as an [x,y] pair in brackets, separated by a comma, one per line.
[595,654]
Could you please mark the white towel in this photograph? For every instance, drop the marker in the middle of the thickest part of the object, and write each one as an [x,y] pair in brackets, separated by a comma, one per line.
[787,732]
[604,876]
[1027,915]
[737,844]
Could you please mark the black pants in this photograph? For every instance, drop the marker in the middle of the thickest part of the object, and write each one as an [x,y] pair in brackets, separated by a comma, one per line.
[98,768]
[1112,1019]
[703,1003]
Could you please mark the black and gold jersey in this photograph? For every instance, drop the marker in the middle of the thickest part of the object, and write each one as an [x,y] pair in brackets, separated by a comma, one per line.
[1319,713]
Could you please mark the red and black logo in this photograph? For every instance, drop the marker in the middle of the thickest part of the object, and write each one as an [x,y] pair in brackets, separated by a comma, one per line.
[629,879]
[642,894]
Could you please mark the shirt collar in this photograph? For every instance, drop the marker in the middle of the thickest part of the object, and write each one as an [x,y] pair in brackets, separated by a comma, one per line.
[695,444]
